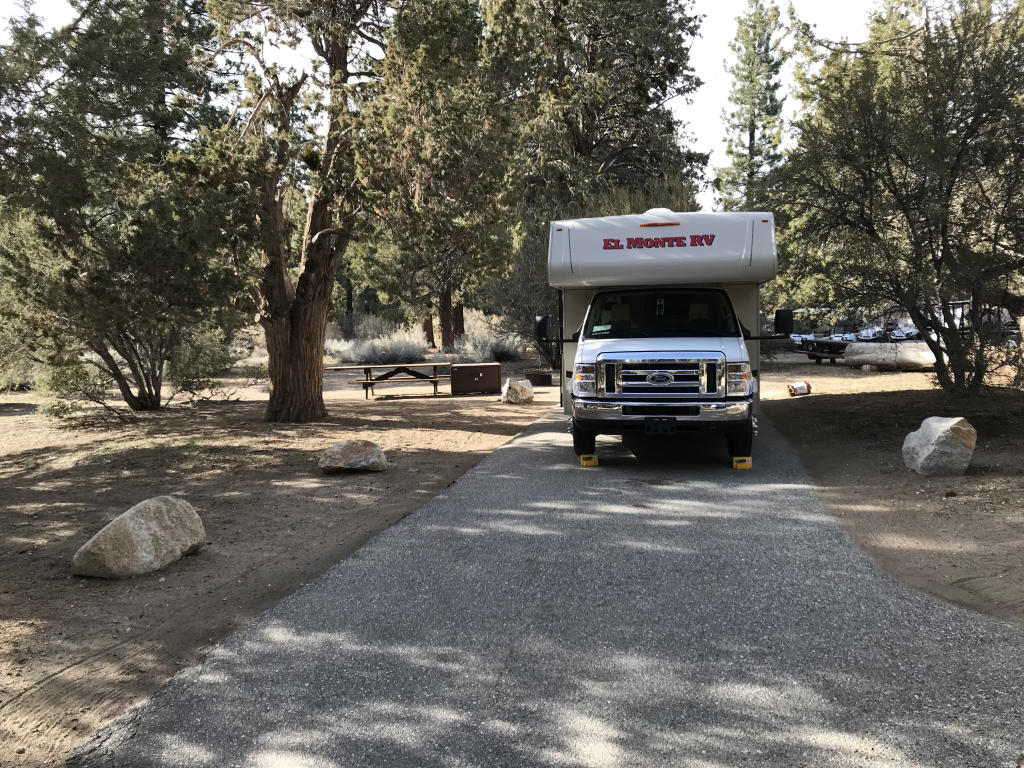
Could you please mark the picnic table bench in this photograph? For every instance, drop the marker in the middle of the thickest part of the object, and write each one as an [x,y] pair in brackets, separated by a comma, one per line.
[400,373]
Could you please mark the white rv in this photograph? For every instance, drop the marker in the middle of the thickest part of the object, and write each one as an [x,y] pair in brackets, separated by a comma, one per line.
[659,320]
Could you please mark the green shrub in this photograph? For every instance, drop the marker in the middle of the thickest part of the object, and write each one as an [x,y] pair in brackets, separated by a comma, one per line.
[73,385]
[194,363]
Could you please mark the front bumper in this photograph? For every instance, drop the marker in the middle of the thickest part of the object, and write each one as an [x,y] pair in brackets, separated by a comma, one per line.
[619,416]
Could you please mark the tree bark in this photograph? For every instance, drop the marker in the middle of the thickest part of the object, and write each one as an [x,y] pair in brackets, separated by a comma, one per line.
[297,393]
[428,330]
[444,311]
[459,320]
[297,378]
[348,324]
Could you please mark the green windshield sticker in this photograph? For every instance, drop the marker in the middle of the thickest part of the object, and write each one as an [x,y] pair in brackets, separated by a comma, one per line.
[599,328]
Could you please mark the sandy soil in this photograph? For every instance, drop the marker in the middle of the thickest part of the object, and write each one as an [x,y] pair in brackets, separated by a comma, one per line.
[75,653]
[959,538]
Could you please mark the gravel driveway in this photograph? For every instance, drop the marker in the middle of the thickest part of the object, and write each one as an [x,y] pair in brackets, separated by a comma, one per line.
[655,613]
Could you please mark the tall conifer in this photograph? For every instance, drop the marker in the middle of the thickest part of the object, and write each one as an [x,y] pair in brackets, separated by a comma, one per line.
[754,124]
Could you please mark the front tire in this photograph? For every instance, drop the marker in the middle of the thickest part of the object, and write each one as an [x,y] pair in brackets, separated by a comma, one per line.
[741,443]
[583,442]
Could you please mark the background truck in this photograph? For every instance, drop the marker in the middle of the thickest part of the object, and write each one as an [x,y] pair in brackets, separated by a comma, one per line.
[656,312]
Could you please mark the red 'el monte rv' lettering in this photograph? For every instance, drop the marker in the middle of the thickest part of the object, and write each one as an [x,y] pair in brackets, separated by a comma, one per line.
[658,242]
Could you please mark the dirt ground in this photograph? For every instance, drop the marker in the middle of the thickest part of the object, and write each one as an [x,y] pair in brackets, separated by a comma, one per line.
[958,538]
[75,653]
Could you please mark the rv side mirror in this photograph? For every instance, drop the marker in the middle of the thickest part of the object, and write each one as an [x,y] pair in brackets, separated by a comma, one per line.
[541,324]
[576,335]
[784,321]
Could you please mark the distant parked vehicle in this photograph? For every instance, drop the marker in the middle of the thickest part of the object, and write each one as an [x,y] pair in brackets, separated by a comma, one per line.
[894,325]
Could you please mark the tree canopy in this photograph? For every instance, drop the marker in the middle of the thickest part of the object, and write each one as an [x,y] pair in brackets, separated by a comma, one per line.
[907,183]
[432,158]
[588,83]
[115,252]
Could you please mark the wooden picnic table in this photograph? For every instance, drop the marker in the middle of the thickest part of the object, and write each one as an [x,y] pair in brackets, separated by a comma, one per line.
[396,373]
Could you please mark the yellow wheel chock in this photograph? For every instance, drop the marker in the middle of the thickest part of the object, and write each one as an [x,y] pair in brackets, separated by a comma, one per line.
[588,460]
[742,462]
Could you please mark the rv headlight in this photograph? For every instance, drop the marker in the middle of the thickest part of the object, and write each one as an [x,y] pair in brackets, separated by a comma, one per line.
[584,381]
[737,380]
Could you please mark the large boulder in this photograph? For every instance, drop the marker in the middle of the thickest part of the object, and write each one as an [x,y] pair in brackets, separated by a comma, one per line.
[149,536]
[353,456]
[941,446]
[517,391]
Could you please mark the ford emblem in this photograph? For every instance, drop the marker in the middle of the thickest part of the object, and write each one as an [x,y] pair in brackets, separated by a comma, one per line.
[660,378]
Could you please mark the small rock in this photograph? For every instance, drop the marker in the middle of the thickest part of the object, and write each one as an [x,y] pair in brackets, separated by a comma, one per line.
[517,391]
[941,446]
[353,456]
[149,536]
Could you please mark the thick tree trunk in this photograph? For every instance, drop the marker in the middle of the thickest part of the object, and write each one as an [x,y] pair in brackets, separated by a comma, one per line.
[297,394]
[428,330]
[459,320]
[444,311]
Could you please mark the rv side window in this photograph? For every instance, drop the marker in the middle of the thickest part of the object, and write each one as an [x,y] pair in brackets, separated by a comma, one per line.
[662,313]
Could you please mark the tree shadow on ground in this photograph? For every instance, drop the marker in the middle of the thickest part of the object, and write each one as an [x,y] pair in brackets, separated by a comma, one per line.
[85,649]
[17,409]
[957,537]
[548,616]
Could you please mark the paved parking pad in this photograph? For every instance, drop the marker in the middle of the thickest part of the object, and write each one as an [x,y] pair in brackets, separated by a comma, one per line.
[669,612]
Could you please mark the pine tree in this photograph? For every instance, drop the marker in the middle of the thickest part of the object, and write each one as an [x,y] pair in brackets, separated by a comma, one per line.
[588,82]
[754,125]
[431,158]
[591,79]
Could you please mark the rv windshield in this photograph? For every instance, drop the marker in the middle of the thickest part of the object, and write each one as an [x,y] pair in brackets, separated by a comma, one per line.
[660,313]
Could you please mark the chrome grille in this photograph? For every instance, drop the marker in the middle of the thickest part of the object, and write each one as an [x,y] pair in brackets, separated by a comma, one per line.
[652,378]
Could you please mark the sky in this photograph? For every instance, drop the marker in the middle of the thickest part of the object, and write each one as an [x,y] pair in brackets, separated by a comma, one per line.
[703,115]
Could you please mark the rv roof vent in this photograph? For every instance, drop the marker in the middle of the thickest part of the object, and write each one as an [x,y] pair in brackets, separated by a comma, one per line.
[658,212]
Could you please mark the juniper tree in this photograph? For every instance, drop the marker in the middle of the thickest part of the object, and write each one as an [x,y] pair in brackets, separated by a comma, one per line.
[296,133]
[114,253]
[907,183]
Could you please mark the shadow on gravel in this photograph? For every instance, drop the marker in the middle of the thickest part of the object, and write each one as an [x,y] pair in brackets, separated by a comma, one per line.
[647,616]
